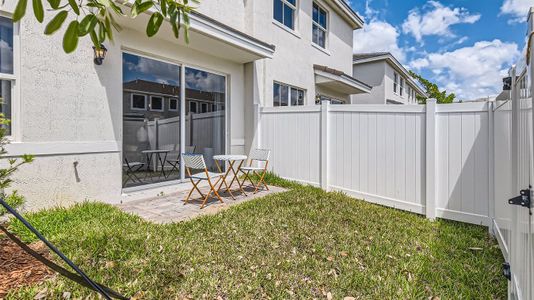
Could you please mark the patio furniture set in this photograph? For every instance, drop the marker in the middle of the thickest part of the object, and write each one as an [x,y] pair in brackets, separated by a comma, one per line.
[197,171]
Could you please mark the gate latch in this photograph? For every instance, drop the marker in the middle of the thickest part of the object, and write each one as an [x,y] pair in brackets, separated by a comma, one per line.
[523,199]
[506,271]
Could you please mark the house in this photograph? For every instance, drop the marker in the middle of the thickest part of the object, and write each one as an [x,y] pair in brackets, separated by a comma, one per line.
[78,117]
[391,83]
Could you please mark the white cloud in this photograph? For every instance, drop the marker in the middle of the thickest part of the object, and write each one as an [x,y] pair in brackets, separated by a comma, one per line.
[436,19]
[471,72]
[377,36]
[518,9]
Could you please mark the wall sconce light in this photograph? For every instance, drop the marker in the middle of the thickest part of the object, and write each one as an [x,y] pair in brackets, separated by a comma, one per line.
[100,54]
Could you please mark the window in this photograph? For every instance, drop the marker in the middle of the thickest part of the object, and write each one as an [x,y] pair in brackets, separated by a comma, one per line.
[320,27]
[409,92]
[7,74]
[395,82]
[156,103]
[285,95]
[401,86]
[192,107]
[284,12]
[204,108]
[173,104]
[138,102]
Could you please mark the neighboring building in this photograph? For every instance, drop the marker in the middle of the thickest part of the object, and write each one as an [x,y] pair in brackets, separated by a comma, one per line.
[391,82]
[71,113]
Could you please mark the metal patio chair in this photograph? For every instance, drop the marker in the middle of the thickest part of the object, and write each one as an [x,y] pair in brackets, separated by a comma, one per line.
[259,156]
[175,163]
[196,162]
[130,168]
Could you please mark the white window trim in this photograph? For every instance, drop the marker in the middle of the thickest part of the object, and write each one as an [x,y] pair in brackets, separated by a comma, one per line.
[136,108]
[290,87]
[401,89]
[326,38]
[162,104]
[295,16]
[177,104]
[16,115]
[395,82]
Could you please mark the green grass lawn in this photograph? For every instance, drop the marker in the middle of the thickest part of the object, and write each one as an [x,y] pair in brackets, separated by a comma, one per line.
[303,243]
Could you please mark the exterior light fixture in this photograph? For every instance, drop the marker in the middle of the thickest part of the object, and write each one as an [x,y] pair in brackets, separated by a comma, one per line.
[100,54]
[507,83]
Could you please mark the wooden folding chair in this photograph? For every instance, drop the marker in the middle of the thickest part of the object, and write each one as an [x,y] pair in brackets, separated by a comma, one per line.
[175,163]
[196,162]
[260,156]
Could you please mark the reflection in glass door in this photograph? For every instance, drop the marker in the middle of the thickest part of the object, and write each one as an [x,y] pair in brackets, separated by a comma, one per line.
[151,120]
[205,96]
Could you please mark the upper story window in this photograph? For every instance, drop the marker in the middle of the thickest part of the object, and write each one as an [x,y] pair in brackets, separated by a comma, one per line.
[284,12]
[138,102]
[286,95]
[320,26]
[395,82]
[7,74]
[401,86]
[173,104]
[156,103]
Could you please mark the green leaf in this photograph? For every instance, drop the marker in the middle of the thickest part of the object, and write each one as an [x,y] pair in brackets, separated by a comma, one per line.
[109,30]
[175,24]
[94,38]
[38,10]
[141,8]
[163,5]
[154,24]
[56,22]
[101,33]
[74,6]
[70,39]
[54,3]
[20,10]
[87,25]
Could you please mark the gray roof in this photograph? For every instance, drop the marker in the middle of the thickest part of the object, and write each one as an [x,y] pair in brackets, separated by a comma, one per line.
[340,73]
[360,56]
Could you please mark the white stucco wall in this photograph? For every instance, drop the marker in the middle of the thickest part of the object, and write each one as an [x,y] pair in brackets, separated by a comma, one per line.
[229,12]
[70,110]
[373,74]
[380,75]
[295,54]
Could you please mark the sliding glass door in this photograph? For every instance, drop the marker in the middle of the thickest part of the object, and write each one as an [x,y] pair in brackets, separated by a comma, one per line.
[205,96]
[152,123]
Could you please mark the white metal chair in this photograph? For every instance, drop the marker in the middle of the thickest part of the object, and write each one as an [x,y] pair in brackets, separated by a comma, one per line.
[175,163]
[260,156]
[196,162]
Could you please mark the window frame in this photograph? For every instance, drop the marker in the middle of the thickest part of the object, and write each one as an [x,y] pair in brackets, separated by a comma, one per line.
[294,8]
[290,88]
[16,116]
[177,104]
[395,82]
[401,89]
[162,103]
[325,30]
[132,102]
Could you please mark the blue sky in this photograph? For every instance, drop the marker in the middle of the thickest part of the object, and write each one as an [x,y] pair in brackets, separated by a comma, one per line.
[465,46]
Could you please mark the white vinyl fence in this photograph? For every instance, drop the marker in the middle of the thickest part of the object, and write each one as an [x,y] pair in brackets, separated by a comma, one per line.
[432,159]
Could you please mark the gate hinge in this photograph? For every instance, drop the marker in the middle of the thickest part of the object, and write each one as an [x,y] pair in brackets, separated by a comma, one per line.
[506,271]
[523,199]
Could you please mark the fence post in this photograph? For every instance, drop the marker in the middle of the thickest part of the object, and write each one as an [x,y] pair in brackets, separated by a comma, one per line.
[324,144]
[431,159]
[491,163]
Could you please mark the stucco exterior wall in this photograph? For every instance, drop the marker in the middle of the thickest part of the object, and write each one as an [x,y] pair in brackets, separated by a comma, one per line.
[295,53]
[229,12]
[380,75]
[71,111]
[374,75]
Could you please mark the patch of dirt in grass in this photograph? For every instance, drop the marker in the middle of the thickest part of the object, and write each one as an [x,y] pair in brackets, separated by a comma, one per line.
[18,268]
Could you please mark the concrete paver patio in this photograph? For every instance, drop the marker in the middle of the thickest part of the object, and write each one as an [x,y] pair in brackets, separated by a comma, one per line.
[171,208]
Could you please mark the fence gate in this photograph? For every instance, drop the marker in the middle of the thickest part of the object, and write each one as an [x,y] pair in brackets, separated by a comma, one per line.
[519,241]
